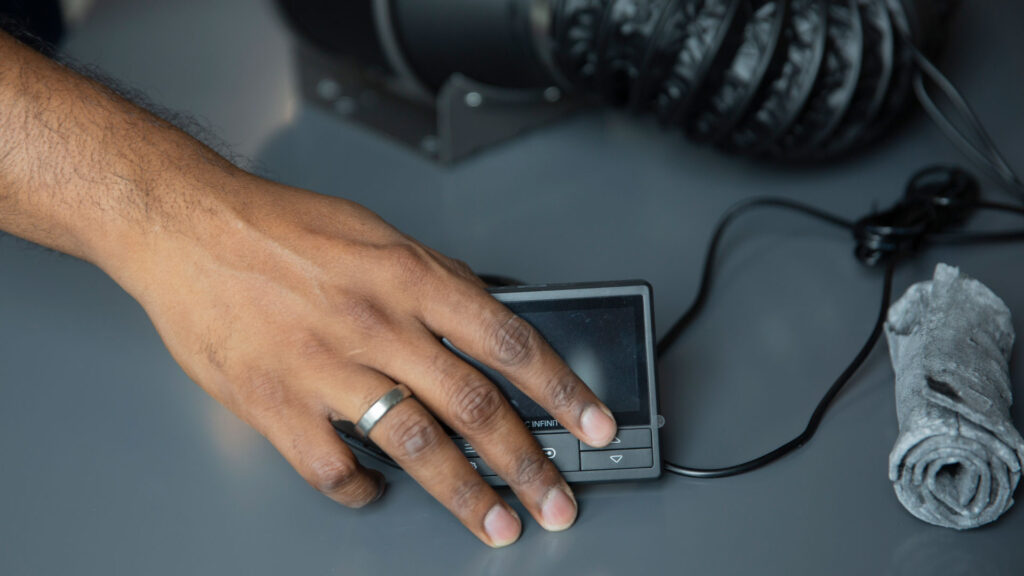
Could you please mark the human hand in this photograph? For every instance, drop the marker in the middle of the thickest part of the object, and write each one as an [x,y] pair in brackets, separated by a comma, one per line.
[291,308]
[295,309]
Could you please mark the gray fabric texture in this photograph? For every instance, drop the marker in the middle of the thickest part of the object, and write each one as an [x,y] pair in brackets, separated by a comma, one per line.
[958,457]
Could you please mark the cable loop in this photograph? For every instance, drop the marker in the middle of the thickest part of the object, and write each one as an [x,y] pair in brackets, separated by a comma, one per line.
[937,198]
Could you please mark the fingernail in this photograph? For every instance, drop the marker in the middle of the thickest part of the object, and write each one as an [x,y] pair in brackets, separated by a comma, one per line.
[502,526]
[558,509]
[598,425]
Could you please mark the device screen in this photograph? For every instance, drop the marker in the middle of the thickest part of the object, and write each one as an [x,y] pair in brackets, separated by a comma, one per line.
[603,340]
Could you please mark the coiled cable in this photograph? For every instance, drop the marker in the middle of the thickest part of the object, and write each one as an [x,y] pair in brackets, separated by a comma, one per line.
[938,202]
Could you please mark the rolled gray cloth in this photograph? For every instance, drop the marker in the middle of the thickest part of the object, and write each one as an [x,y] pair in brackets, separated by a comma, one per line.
[958,457]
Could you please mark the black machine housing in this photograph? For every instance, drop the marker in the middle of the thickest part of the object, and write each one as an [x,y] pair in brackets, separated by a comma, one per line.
[791,79]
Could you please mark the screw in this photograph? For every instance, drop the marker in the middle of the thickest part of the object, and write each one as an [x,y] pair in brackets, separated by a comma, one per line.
[552,94]
[474,99]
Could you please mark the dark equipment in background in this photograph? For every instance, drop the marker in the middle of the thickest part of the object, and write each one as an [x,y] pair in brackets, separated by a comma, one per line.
[792,79]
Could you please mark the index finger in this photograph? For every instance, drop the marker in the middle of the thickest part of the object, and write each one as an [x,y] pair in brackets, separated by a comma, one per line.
[476,323]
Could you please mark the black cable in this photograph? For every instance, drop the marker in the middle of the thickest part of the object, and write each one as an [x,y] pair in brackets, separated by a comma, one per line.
[819,410]
[698,305]
[731,214]
[987,156]
[937,199]
[970,238]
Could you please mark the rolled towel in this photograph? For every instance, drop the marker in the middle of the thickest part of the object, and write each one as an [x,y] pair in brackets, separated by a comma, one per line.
[958,457]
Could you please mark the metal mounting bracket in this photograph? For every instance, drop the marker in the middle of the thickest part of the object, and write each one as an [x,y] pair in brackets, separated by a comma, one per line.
[463,117]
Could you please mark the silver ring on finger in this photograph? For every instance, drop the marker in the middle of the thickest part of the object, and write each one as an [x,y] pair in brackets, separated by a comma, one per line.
[378,409]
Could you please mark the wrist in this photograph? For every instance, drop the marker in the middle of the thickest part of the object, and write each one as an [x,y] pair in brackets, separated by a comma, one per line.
[186,216]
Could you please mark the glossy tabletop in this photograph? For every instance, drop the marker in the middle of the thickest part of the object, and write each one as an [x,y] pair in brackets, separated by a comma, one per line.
[113,462]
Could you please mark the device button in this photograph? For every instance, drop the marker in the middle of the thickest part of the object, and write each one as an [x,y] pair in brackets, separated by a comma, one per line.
[562,449]
[625,440]
[613,459]
[480,466]
[466,448]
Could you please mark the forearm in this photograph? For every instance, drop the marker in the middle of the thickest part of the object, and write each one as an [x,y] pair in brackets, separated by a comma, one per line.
[86,172]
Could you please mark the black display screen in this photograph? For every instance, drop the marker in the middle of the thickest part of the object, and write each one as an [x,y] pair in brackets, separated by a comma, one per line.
[603,340]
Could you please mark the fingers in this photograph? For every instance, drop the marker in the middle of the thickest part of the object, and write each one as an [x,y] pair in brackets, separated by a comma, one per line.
[312,447]
[411,436]
[510,345]
[474,407]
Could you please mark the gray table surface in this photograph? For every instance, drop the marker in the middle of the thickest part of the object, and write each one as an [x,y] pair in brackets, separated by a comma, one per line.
[112,462]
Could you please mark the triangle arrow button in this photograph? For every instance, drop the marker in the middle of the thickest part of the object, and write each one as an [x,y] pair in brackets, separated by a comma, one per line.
[616,458]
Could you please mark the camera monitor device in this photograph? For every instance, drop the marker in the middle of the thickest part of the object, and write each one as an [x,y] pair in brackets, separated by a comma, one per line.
[605,333]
